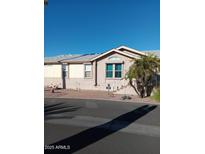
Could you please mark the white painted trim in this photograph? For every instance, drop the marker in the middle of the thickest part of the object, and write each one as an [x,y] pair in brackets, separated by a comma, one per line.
[114,50]
[91,72]
[130,49]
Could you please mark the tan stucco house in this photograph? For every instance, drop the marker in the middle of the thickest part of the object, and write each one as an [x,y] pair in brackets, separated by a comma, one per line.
[92,71]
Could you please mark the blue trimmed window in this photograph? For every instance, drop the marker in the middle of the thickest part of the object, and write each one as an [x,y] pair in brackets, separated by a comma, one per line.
[118,70]
[109,70]
[113,70]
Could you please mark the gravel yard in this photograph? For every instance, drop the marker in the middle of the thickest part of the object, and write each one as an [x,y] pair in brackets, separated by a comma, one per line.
[91,94]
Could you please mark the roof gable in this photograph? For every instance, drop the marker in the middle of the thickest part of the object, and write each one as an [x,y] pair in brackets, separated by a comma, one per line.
[127,49]
[116,51]
[123,50]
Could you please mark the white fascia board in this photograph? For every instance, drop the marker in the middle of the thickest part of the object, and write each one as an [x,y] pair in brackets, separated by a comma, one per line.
[132,50]
[113,50]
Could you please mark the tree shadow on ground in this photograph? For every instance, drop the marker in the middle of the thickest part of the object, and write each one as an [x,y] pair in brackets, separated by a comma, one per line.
[47,106]
[57,110]
[92,135]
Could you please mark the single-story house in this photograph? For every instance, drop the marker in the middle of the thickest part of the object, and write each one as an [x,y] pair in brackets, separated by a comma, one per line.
[92,71]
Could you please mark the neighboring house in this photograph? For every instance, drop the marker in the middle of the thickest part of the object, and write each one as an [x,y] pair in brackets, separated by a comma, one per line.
[93,71]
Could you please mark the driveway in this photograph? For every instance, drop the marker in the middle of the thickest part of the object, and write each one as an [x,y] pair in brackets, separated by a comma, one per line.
[101,127]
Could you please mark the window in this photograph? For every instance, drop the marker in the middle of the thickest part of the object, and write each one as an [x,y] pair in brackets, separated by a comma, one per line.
[109,70]
[118,70]
[88,69]
[113,70]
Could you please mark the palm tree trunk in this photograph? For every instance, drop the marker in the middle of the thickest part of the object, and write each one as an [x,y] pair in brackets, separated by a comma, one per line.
[135,89]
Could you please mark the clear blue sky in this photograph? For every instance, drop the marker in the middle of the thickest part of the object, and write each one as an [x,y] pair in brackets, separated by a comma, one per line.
[93,26]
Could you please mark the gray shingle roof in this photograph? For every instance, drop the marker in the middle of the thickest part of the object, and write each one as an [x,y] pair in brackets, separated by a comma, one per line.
[156,52]
[56,59]
[83,57]
[70,58]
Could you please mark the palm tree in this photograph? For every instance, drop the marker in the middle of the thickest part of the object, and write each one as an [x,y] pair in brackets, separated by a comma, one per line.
[142,74]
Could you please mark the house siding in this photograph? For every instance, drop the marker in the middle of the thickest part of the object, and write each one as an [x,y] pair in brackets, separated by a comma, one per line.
[53,71]
[79,82]
[53,75]
[101,71]
[75,73]
[102,81]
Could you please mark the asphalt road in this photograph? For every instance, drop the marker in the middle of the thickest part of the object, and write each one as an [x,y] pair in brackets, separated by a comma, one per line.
[101,127]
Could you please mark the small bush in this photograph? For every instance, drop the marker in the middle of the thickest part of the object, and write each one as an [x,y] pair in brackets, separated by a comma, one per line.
[126,97]
[156,95]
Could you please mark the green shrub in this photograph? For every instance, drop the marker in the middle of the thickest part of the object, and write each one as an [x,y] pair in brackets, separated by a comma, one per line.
[156,95]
